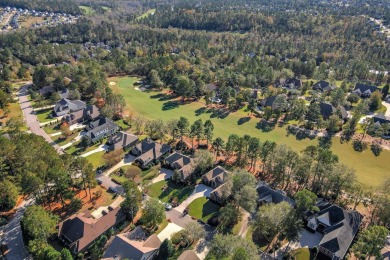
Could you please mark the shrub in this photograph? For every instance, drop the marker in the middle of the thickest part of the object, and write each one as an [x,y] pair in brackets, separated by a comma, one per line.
[178,237]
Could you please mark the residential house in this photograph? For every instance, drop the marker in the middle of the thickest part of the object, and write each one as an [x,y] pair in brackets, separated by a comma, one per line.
[323,86]
[338,227]
[379,120]
[89,113]
[221,193]
[268,195]
[290,83]
[270,101]
[149,151]
[79,231]
[328,110]
[188,255]
[134,245]
[182,163]
[364,91]
[215,177]
[100,128]
[122,140]
[65,106]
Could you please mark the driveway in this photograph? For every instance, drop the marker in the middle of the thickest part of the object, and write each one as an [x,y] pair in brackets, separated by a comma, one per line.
[307,239]
[165,174]
[107,182]
[387,105]
[126,161]
[32,120]
[76,139]
[168,231]
[200,190]
[101,148]
[13,235]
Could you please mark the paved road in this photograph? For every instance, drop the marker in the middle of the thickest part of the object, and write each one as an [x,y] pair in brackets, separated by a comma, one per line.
[13,235]
[12,231]
[32,120]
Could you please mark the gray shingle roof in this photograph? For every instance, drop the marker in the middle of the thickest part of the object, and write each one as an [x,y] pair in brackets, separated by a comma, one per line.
[327,110]
[344,226]
[121,139]
[133,245]
[99,125]
[323,86]
[363,88]
[270,195]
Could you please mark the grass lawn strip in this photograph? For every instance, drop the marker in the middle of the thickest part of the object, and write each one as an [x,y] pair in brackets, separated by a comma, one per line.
[202,208]
[16,112]
[87,10]
[60,141]
[162,226]
[44,115]
[303,254]
[51,129]
[96,159]
[173,190]
[149,12]
[370,170]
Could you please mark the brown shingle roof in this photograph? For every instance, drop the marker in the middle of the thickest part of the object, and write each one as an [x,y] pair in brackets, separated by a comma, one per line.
[188,255]
[216,174]
[80,230]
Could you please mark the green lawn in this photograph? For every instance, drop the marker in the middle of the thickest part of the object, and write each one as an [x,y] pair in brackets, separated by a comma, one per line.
[122,125]
[150,173]
[77,149]
[60,141]
[202,208]
[302,254]
[15,111]
[162,226]
[149,12]
[51,129]
[96,159]
[370,170]
[87,10]
[44,115]
[172,191]
[121,179]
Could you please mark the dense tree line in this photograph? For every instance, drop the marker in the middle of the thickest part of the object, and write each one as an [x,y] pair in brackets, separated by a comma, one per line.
[255,58]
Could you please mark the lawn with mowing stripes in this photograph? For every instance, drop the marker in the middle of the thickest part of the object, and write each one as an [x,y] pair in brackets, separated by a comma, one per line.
[370,170]
[96,159]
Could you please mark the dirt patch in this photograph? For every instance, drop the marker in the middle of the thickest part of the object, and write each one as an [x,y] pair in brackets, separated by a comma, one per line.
[10,213]
[100,197]
[112,83]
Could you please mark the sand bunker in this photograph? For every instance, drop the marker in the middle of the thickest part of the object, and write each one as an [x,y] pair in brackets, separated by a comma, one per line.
[112,83]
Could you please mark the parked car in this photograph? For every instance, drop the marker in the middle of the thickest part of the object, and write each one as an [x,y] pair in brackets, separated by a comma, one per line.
[99,181]
[112,189]
[167,206]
